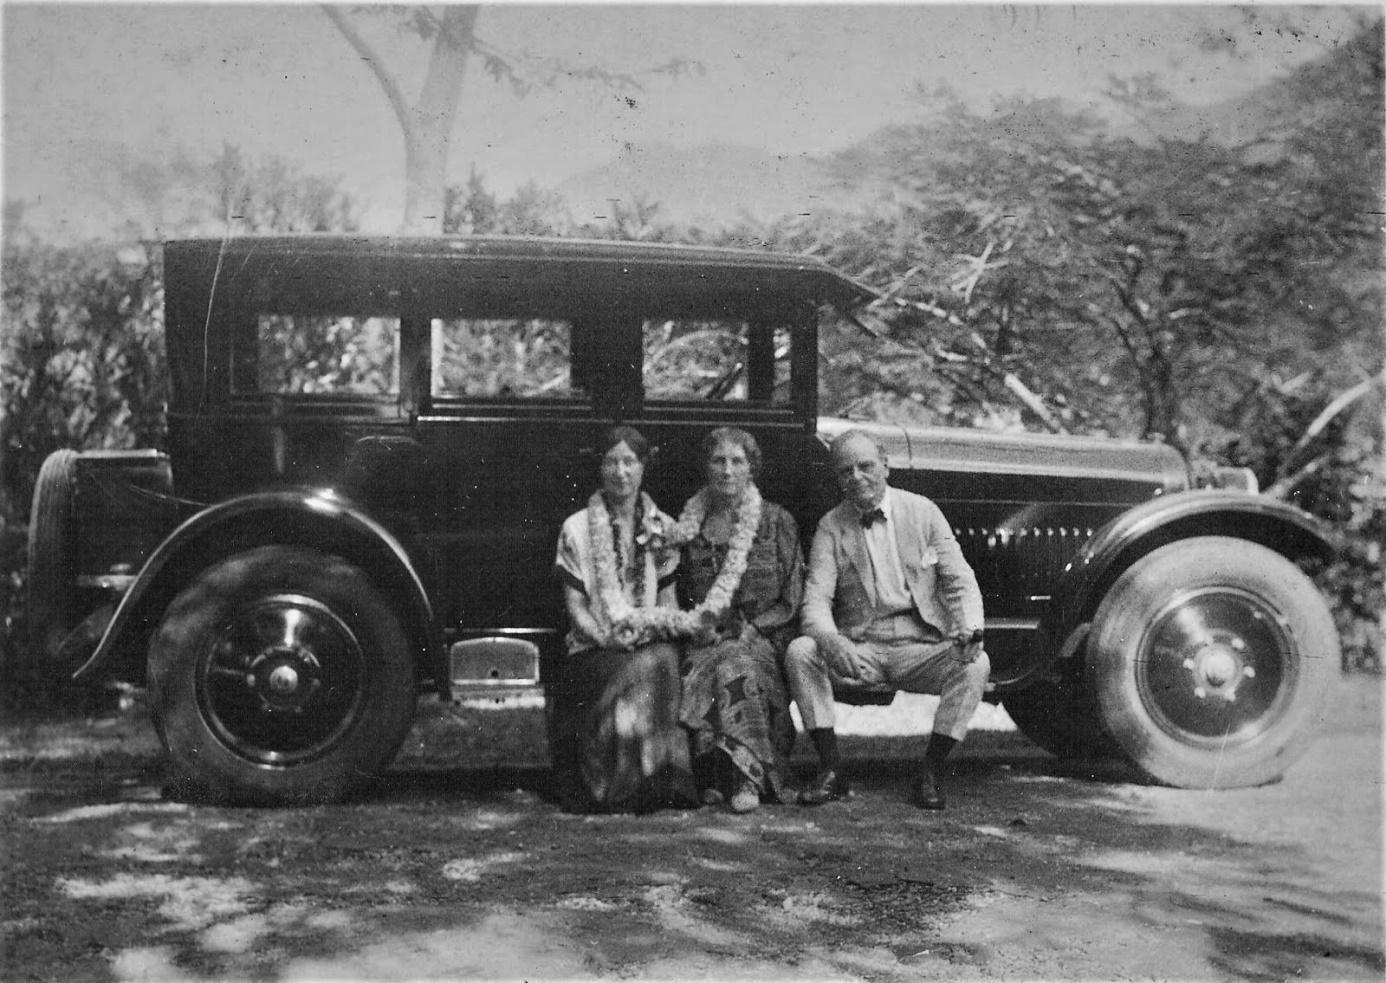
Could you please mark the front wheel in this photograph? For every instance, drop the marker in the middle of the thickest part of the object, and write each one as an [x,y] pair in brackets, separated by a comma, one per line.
[280,676]
[1210,660]
[1058,713]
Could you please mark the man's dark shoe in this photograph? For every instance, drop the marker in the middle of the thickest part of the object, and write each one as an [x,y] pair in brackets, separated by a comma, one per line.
[828,786]
[926,793]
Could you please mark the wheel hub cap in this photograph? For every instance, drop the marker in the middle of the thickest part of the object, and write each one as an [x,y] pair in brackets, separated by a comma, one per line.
[285,677]
[1214,666]
[1217,668]
[283,681]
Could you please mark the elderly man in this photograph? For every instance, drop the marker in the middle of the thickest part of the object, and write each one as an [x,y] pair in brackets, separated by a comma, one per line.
[890,603]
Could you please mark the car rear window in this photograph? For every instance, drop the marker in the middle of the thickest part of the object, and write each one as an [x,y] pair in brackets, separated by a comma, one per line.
[327,354]
[710,359]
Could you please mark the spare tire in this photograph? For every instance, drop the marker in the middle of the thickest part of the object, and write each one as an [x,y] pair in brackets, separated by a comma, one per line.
[53,603]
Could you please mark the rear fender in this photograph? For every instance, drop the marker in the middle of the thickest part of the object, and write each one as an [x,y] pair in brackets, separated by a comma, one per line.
[1289,531]
[282,518]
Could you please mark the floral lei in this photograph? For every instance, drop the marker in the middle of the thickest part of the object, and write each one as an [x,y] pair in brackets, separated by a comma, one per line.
[633,625]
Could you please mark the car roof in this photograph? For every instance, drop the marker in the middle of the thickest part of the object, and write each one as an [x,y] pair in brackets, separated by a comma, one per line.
[597,264]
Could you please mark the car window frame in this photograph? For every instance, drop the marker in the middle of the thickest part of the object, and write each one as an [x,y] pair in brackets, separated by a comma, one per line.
[239,349]
[800,409]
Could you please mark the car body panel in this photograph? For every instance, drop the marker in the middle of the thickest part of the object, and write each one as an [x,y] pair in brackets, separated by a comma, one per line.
[1149,525]
[306,517]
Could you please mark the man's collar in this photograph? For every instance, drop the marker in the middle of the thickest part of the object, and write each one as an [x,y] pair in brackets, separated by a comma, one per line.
[885,505]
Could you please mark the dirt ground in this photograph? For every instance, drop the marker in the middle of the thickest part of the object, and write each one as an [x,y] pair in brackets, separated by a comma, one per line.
[457,867]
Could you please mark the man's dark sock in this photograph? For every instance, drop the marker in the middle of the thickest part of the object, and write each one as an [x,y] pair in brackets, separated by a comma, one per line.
[825,743]
[939,747]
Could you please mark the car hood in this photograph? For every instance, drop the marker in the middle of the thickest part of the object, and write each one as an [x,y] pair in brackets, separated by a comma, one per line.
[984,451]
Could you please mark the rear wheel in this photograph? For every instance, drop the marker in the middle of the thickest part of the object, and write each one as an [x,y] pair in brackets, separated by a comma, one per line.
[53,604]
[1210,660]
[280,676]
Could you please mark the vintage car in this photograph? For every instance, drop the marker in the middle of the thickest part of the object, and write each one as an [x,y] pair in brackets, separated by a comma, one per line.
[372,443]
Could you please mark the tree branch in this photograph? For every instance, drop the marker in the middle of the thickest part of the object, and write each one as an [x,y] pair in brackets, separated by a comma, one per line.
[1125,337]
[368,54]
[1285,485]
[1335,406]
[1032,402]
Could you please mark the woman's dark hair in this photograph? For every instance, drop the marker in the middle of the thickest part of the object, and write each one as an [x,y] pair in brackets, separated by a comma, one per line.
[629,436]
[739,437]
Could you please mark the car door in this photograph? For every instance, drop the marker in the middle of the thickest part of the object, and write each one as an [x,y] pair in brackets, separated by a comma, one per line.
[513,400]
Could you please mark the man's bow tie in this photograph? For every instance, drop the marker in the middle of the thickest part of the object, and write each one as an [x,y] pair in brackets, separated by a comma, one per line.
[875,515]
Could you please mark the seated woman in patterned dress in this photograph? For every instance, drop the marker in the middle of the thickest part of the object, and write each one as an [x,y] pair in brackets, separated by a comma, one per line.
[741,578]
[614,731]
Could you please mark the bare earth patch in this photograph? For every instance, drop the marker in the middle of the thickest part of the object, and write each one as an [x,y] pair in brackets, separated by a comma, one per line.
[457,866]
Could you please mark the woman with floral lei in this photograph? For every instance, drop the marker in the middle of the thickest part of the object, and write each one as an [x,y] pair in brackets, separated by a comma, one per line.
[614,732]
[742,575]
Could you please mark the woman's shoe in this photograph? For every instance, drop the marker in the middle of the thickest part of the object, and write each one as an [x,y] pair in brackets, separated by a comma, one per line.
[828,786]
[746,798]
[712,797]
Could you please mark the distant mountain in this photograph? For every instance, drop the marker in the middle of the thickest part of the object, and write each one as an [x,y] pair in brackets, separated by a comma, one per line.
[714,184]
[1266,119]
[717,184]
[1255,122]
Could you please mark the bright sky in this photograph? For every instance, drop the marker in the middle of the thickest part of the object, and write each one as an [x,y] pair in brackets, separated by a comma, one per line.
[84,83]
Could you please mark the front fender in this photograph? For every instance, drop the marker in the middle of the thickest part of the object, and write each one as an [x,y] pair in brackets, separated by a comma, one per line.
[298,517]
[1289,531]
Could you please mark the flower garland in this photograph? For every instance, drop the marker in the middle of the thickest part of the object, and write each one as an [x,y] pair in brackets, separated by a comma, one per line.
[633,625]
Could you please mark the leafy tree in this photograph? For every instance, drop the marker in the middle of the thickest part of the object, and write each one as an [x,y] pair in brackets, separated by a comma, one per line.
[232,192]
[272,194]
[83,361]
[81,365]
[1222,298]
[471,208]
[1197,278]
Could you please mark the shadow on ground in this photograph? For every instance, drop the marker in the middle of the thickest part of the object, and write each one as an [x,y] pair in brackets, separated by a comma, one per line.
[1037,870]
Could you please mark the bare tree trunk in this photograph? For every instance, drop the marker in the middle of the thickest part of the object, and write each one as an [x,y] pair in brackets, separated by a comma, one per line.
[428,136]
[426,124]
[425,164]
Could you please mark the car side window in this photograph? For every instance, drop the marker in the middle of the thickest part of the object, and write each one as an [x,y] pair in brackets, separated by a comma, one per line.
[502,358]
[328,354]
[715,359]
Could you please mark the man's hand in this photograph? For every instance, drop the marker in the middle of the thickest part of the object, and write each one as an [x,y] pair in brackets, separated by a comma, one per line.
[966,648]
[841,656]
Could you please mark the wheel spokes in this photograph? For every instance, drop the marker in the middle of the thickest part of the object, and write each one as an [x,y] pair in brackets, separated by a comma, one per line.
[284,679]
